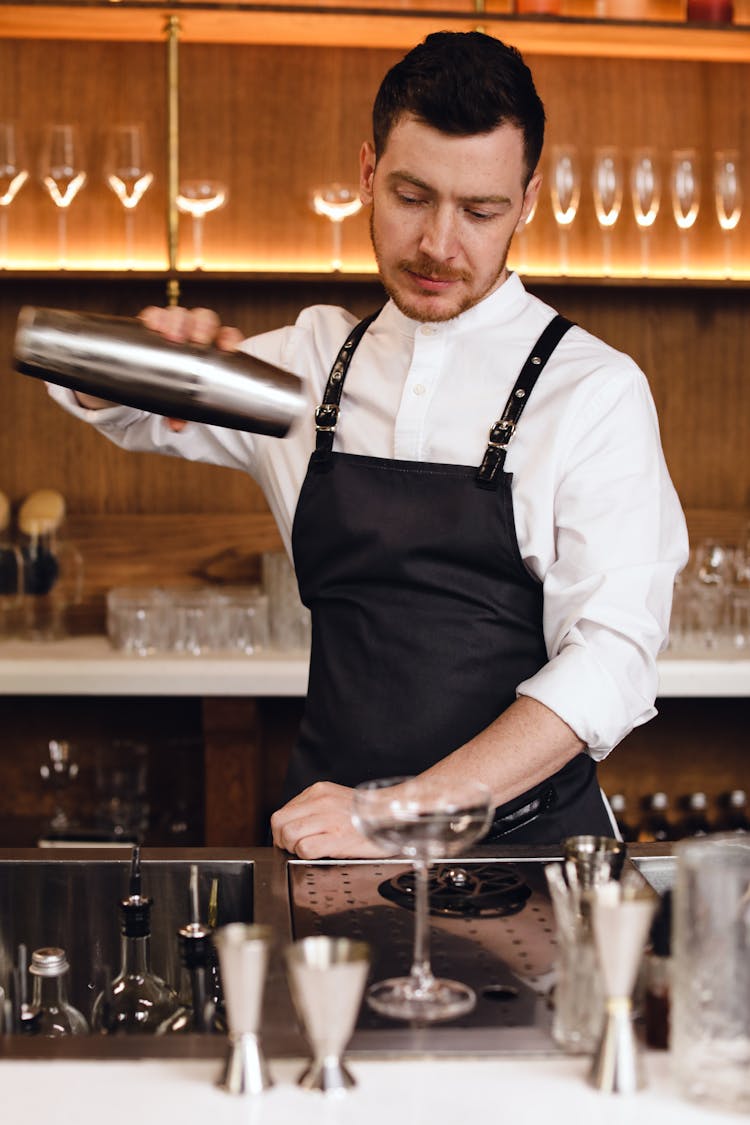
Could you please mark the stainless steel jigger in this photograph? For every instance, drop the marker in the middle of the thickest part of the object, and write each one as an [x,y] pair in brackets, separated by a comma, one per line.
[243,959]
[327,978]
[596,859]
[621,924]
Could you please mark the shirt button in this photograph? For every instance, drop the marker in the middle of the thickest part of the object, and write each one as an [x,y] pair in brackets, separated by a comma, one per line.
[419,389]
[428,330]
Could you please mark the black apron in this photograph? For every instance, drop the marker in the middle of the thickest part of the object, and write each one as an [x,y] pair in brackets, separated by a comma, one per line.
[424,616]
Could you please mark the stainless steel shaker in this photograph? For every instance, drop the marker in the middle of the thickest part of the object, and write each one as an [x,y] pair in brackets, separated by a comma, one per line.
[119,359]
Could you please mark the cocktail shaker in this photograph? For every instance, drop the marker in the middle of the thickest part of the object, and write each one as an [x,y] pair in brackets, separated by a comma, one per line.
[119,359]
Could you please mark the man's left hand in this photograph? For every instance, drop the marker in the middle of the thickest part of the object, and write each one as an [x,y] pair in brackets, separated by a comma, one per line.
[317,824]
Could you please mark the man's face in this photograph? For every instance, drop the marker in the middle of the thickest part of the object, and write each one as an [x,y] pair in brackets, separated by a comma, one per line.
[444,211]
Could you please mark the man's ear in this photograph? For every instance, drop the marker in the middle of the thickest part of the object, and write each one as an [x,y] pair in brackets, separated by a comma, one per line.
[529,199]
[366,171]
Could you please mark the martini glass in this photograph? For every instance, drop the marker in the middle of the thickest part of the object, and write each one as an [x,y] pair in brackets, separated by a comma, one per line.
[685,198]
[198,198]
[337,202]
[727,199]
[128,176]
[63,176]
[565,191]
[423,820]
[645,192]
[13,175]
[607,183]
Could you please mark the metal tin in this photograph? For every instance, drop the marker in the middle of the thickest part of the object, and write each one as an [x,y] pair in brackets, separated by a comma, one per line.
[119,359]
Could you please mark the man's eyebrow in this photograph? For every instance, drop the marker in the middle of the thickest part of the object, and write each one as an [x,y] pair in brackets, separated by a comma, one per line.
[407,177]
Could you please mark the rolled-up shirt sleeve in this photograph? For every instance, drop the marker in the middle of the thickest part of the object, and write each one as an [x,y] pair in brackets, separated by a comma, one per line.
[619,541]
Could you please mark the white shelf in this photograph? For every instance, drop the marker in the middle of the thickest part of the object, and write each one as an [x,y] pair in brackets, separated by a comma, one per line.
[88,666]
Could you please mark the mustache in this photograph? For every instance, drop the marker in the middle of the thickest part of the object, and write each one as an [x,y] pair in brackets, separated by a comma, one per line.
[425,266]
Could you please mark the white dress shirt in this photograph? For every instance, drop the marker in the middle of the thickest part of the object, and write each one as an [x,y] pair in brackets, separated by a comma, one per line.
[598,520]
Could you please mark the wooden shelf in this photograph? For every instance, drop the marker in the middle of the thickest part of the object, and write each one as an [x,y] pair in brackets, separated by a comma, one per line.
[344,277]
[340,26]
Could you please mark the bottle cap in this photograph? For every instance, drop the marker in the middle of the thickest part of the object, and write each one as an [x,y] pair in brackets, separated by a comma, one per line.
[48,962]
[135,916]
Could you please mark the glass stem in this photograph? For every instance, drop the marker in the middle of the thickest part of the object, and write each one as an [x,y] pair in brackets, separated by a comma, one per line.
[644,254]
[684,253]
[336,244]
[129,238]
[198,241]
[421,972]
[61,237]
[564,265]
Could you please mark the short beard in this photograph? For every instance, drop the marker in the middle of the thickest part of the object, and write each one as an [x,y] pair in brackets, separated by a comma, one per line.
[426,267]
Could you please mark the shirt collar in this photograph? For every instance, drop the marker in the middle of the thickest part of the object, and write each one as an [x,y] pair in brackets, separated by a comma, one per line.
[500,306]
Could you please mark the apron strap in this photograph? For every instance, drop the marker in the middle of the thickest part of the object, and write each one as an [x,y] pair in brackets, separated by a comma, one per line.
[327,414]
[488,473]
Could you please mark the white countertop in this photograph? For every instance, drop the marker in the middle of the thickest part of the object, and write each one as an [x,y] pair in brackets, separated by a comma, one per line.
[506,1090]
[89,666]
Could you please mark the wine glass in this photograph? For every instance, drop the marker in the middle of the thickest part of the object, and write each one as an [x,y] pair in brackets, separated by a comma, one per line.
[422,819]
[126,173]
[337,202]
[62,175]
[645,190]
[565,191]
[198,198]
[727,198]
[685,197]
[607,184]
[13,175]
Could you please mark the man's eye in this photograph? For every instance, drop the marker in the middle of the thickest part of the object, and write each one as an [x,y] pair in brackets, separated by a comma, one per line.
[481,216]
[410,200]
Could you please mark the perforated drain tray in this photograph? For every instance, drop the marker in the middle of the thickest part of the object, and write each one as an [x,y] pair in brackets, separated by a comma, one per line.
[494,930]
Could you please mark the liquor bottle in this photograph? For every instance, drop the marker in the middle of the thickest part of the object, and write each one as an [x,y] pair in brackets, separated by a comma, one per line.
[618,804]
[654,826]
[50,1014]
[734,817]
[200,1011]
[695,822]
[137,1001]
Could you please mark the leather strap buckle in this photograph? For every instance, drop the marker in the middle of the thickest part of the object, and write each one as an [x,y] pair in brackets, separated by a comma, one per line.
[326,417]
[501,433]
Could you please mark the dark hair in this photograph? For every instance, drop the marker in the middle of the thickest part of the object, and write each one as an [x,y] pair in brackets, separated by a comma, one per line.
[463,83]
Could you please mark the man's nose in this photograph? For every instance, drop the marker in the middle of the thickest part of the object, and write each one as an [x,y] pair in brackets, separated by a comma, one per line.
[439,234]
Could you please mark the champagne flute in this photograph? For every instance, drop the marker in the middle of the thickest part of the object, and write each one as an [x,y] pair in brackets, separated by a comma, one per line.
[13,175]
[727,198]
[607,183]
[198,198]
[565,191]
[337,202]
[62,175]
[126,173]
[685,198]
[422,819]
[645,190]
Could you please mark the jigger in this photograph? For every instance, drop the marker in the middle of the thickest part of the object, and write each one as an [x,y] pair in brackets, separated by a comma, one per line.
[243,959]
[327,978]
[621,920]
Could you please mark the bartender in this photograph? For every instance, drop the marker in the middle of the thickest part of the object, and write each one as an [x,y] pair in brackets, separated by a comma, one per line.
[477,503]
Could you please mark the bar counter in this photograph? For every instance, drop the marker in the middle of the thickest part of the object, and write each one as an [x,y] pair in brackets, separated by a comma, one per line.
[421,1092]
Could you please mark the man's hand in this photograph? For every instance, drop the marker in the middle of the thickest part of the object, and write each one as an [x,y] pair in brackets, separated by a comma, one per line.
[190,326]
[317,824]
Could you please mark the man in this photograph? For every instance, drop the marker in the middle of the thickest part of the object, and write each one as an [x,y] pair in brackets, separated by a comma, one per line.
[482,521]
